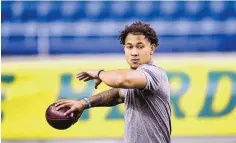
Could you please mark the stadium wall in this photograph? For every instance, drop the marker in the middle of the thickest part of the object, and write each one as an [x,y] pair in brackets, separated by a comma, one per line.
[202,98]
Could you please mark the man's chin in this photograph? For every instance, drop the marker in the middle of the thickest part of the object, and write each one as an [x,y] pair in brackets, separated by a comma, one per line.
[134,66]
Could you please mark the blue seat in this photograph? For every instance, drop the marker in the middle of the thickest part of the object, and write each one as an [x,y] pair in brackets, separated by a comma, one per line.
[6,12]
[55,12]
[49,11]
[170,10]
[68,10]
[230,11]
[218,10]
[143,10]
[96,10]
[121,10]
[194,10]
[30,12]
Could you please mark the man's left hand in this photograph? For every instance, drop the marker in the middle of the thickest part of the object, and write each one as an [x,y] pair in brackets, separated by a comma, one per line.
[89,75]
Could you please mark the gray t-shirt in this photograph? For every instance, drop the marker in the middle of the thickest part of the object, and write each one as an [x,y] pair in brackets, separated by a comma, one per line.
[147,111]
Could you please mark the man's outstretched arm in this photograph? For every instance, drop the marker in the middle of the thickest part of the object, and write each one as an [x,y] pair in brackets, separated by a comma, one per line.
[116,78]
[106,98]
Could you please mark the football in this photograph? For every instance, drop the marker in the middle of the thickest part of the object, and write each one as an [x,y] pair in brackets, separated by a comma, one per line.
[57,119]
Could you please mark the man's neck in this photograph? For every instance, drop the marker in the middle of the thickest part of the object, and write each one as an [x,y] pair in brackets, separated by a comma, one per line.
[150,62]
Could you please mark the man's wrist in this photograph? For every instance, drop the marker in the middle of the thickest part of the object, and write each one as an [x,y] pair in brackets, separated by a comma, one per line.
[86,103]
[99,72]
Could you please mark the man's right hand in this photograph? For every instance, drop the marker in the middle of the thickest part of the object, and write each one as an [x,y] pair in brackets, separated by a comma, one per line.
[76,107]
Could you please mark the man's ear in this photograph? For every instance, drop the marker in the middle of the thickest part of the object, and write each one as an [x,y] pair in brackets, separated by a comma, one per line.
[153,48]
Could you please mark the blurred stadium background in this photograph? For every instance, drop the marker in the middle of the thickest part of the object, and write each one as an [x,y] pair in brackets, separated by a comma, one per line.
[45,43]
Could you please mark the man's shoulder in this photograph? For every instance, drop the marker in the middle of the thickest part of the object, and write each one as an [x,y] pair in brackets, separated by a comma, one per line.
[152,67]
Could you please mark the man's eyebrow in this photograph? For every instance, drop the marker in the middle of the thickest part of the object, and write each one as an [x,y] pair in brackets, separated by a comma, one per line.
[128,44]
[140,43]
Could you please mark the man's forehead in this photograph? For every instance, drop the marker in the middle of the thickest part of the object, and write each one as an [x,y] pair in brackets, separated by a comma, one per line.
[136,38]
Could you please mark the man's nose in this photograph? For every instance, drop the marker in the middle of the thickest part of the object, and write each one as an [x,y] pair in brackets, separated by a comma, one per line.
[134,52]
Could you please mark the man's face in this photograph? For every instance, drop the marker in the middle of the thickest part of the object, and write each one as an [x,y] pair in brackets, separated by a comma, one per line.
[138,50]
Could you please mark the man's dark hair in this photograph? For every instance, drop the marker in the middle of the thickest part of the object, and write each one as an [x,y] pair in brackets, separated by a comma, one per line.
[139,28]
